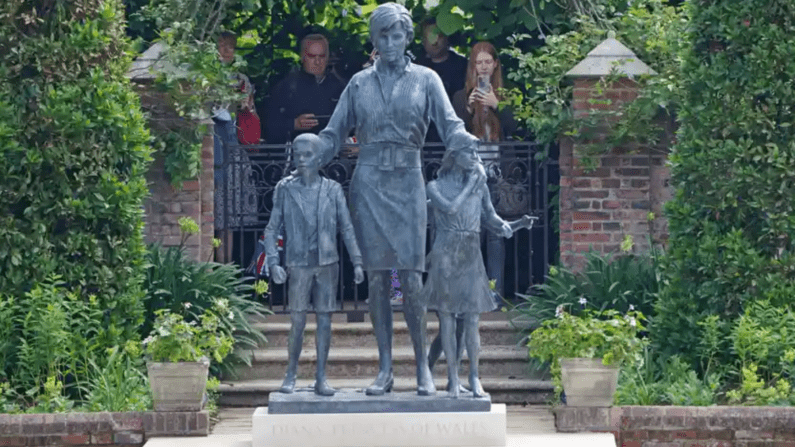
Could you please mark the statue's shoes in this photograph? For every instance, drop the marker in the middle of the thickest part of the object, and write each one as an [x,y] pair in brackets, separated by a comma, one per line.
[477,389]
[324,389]
[461,388]
[425,386]
[288,386]
[382,384]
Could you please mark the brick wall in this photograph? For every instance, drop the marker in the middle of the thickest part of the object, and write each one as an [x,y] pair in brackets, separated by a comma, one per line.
[111,429]
[601,204]
[167,204]
[658,426]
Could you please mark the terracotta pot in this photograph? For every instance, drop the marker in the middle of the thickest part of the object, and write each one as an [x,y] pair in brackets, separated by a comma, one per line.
[588,383]
[178,386]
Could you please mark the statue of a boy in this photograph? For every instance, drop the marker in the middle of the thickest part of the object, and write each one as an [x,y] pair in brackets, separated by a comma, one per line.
[312,210]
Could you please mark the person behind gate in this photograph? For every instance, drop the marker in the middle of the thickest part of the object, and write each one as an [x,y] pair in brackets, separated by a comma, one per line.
[312,210]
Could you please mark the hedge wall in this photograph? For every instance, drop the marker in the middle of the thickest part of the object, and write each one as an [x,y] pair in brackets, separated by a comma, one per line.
[74,151]
[732,221]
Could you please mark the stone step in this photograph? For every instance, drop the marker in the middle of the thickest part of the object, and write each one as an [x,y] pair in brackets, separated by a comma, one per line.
[271,363]
[509,390]
[358,335]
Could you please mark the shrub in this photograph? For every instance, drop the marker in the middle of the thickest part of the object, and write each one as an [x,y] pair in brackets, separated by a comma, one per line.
[172,279]
[665,382]
[732,218]
[607,283]
[73,152]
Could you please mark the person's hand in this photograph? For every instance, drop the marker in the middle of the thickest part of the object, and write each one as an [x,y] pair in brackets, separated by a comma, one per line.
[350,151]
[248,103]
[358,274]
[527,221]
[278,274]
[505,230]
[481,173]
[473,98]
[305,121]
[477,177]
[488,98]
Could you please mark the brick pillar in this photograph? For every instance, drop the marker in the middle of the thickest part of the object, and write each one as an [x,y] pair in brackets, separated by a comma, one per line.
[166,204]
[600,206]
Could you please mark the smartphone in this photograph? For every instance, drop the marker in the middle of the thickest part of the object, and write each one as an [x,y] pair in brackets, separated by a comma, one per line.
[483,83]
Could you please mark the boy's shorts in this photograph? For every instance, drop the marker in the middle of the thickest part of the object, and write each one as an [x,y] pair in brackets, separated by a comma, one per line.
[315,285]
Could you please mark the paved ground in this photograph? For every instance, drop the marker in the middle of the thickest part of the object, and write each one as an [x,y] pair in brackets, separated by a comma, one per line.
[532,419]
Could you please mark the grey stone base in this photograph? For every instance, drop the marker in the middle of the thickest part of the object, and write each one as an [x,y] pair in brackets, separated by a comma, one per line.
[356,401]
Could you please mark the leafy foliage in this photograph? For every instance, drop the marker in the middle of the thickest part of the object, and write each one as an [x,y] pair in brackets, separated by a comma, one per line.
[668,382]
[621,283]
[118,384]
[608,335]
[732,219]
[175,340]
[73,153]
[173,279]
[650,28]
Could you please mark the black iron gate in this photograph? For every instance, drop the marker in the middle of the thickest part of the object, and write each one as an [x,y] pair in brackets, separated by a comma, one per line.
[527,171]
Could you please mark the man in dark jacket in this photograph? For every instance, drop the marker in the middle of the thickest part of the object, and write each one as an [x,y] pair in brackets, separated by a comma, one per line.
[439,57]
[303,101]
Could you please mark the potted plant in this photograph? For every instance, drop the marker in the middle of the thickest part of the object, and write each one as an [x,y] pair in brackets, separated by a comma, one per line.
[178,357]
[586,350]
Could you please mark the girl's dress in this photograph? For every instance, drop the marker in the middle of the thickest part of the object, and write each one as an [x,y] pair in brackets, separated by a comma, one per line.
[457,281]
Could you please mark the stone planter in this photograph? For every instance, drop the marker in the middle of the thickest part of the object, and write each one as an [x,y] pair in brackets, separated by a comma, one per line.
[588,383]
[178,386]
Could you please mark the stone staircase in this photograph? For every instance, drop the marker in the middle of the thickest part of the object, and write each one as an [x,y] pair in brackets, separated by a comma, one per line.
[505,370]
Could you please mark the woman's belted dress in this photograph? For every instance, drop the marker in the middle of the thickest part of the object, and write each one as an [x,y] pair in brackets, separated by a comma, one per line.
[387,193]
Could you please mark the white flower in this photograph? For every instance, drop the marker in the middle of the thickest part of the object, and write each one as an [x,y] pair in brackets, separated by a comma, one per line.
[559,311]
[582,300]
[187,305]
[631,307]
[148,340]
[632,322]
[231,315]
[344,12]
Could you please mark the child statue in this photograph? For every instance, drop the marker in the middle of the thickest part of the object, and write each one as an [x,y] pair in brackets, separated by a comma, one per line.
[457,285]
[312,210]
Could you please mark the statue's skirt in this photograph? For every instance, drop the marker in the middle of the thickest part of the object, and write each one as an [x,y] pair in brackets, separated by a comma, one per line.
[388,209]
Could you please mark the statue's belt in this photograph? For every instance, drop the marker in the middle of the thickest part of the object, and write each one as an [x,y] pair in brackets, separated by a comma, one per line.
[388,156]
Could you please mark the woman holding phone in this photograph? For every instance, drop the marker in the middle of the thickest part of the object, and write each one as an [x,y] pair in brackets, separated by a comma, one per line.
[477,106]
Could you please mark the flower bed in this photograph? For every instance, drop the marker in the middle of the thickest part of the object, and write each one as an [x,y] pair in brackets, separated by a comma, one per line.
[118,429]
[670,426]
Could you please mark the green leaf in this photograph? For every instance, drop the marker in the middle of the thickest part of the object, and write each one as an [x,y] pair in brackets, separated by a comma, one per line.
[448,22]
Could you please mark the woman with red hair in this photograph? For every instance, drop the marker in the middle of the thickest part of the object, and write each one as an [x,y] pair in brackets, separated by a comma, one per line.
[477,105]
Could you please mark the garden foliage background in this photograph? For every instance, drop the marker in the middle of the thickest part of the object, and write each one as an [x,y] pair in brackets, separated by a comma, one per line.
[79,288]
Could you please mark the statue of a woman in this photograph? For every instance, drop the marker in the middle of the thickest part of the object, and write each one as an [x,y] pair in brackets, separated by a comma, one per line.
[390,106]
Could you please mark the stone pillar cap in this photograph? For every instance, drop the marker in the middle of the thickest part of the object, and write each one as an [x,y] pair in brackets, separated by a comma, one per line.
[150,63]
[610,57]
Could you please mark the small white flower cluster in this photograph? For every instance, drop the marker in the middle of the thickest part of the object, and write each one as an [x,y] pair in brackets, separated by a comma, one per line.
[583,301]
[559,311]
[148,340]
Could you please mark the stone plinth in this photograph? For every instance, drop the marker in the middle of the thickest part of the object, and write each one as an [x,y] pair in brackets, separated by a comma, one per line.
[349,401]
[463,429]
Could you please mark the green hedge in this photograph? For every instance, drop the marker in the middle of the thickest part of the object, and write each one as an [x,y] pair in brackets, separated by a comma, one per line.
[732,220]
[74,150]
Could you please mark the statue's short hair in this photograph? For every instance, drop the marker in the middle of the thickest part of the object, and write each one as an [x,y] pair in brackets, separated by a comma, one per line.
[312,139]
[387,15]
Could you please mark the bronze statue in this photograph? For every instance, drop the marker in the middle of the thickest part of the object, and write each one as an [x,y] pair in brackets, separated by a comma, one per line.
[390,106]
